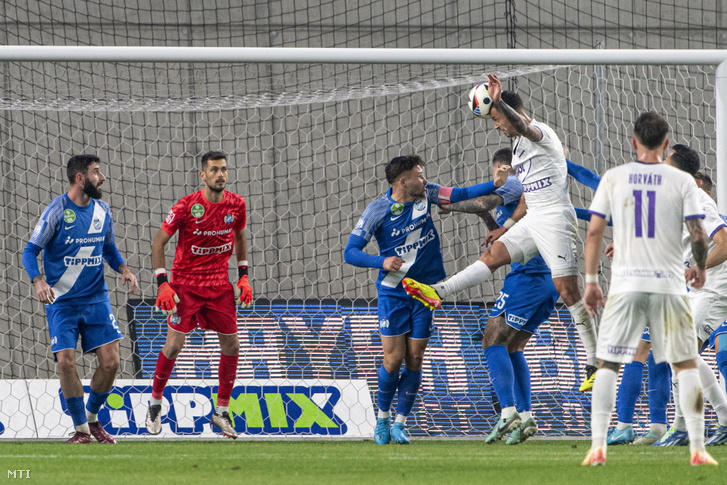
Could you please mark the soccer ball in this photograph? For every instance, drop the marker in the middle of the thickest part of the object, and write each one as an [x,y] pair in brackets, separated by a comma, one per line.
[480,100]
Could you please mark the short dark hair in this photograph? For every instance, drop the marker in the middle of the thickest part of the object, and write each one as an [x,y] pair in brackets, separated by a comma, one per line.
[503,155]
[707,183]
[685,159]
[399,165]
[213,155]
[651,129]
[512,99]
[79,164]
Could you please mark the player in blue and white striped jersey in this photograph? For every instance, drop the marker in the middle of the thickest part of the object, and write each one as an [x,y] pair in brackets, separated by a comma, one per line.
[401,221]
[76,235]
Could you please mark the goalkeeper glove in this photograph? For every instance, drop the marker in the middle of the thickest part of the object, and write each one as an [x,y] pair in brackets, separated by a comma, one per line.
[167,299]
[243,292]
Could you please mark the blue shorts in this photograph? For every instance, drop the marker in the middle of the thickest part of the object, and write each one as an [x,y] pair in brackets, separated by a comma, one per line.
[527,300]
[400,315]
[94,322]
[717,331]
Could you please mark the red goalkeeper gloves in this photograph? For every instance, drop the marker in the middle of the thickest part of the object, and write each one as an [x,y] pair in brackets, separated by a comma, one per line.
[167,299]
[243,292]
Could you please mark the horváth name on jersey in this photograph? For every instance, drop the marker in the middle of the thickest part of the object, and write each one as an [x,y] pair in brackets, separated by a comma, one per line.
[645,178]
[414,225]
[537,185]
[423,241]
[200,251]
[84,240]
[86,261]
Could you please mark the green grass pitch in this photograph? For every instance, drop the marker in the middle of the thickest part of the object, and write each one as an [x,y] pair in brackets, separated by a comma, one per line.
[349,462]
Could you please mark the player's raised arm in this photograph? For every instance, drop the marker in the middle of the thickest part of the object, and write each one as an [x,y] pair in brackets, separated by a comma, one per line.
[519,122]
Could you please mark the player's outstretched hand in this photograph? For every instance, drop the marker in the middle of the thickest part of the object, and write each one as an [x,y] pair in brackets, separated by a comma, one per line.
[167,299]
[695,277]
[127,275]
[500,174]
[494,87]
[243,292]
[494,236]
[593,299]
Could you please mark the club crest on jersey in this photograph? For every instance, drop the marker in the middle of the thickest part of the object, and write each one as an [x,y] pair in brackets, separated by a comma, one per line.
[197,210]
[397,209]
[229,218]
[69,216]
[419,204]
[96,223]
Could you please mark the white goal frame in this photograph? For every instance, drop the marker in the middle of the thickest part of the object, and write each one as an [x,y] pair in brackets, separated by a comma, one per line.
[714,57]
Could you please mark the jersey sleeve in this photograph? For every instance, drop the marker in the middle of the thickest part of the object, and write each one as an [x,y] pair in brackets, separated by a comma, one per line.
[48,224]
[111,253]
[371,219]
[583,175]
[175,217]
[692,206]
[601,203]
[511,190]
[241,221]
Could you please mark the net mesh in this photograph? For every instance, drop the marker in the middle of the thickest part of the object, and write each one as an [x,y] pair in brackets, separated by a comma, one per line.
[307,144]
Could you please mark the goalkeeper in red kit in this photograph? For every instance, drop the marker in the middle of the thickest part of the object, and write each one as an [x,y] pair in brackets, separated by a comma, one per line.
[198,293]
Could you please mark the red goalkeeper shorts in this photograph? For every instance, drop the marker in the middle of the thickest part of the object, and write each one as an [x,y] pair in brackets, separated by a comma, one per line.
[207,307]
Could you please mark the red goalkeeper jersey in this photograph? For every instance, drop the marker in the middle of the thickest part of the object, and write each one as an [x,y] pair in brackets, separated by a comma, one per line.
[206,237]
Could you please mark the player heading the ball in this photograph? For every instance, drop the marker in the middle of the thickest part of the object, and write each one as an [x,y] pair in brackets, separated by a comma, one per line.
[543,223]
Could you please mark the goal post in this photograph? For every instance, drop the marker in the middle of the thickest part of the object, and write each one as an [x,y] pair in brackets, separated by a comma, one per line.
[308,131]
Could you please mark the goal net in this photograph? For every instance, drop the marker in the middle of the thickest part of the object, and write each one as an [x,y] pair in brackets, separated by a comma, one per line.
[307,144]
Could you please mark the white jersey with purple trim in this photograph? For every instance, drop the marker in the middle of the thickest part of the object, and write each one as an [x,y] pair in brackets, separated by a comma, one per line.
[541,168]
[648,204]
[716,276]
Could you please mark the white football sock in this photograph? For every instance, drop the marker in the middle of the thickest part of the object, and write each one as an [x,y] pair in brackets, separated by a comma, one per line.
[525,415]
[508,411]
[473,275]
[691,400]
[400,418]
[586,330]
[678,416]
[712,391]
[603,399]
[384,414]
[83,428]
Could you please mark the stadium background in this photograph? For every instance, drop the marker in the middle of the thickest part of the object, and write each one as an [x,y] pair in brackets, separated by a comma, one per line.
[307,144]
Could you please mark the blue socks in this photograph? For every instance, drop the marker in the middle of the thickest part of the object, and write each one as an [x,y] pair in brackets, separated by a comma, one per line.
[521,371]
[387,386]
[95,401]
[628,392]
[75,407]
[659,389]
[408,389]
[501,374]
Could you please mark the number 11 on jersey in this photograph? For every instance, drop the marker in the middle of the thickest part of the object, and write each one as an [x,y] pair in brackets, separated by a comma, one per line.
[651,210]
